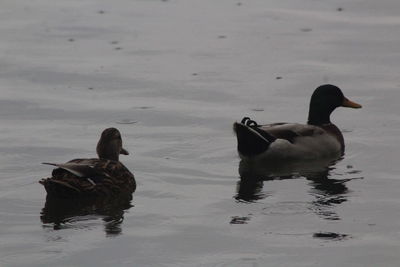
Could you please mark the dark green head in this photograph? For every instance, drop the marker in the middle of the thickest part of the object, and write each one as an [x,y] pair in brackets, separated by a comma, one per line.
[110,145]
[325,99]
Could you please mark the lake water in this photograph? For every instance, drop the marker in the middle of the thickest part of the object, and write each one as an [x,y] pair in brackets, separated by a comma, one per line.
[173,76]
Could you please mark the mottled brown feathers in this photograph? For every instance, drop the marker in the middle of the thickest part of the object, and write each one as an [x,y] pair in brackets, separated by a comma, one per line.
[112,178]
[103,176]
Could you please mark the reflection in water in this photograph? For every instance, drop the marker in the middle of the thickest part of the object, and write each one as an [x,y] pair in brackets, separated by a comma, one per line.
[331,236]
[66,213]
[327,191]
[250,190]
[240,220]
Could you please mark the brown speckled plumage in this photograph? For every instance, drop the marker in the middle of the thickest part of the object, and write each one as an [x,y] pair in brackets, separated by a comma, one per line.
[92,177]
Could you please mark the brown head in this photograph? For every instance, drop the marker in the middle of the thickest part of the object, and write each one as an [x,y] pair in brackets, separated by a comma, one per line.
[110,145]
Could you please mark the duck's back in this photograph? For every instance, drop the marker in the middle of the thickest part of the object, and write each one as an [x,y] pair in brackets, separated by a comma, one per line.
[90,177]
[280,141]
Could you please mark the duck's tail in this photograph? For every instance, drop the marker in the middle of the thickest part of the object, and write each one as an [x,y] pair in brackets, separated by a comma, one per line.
[252,141]
[59,189]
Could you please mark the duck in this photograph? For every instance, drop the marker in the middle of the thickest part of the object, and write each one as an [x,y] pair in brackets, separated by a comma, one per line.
[104,176]
[317,139]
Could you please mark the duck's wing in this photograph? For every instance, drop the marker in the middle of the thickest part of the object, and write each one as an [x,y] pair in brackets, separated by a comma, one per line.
[89,177]
[291,131]
[93,170]
[77,169]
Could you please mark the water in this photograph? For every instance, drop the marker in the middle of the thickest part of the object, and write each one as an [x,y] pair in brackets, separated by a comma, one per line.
[173,76]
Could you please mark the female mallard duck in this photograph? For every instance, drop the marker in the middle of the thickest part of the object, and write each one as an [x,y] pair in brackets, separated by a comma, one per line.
[318,138]
[103,176]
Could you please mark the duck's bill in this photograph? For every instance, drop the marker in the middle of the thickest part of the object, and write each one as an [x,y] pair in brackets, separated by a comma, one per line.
[124,151]
[350,104]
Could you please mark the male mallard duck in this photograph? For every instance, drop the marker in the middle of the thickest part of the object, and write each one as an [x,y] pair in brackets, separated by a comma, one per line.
[318,138]
[103,176]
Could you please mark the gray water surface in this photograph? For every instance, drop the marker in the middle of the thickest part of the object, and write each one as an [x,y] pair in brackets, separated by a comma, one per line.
[173,76]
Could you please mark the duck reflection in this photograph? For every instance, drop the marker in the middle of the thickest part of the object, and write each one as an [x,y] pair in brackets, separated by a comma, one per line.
[67,213]
[250,190]
[326,190]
